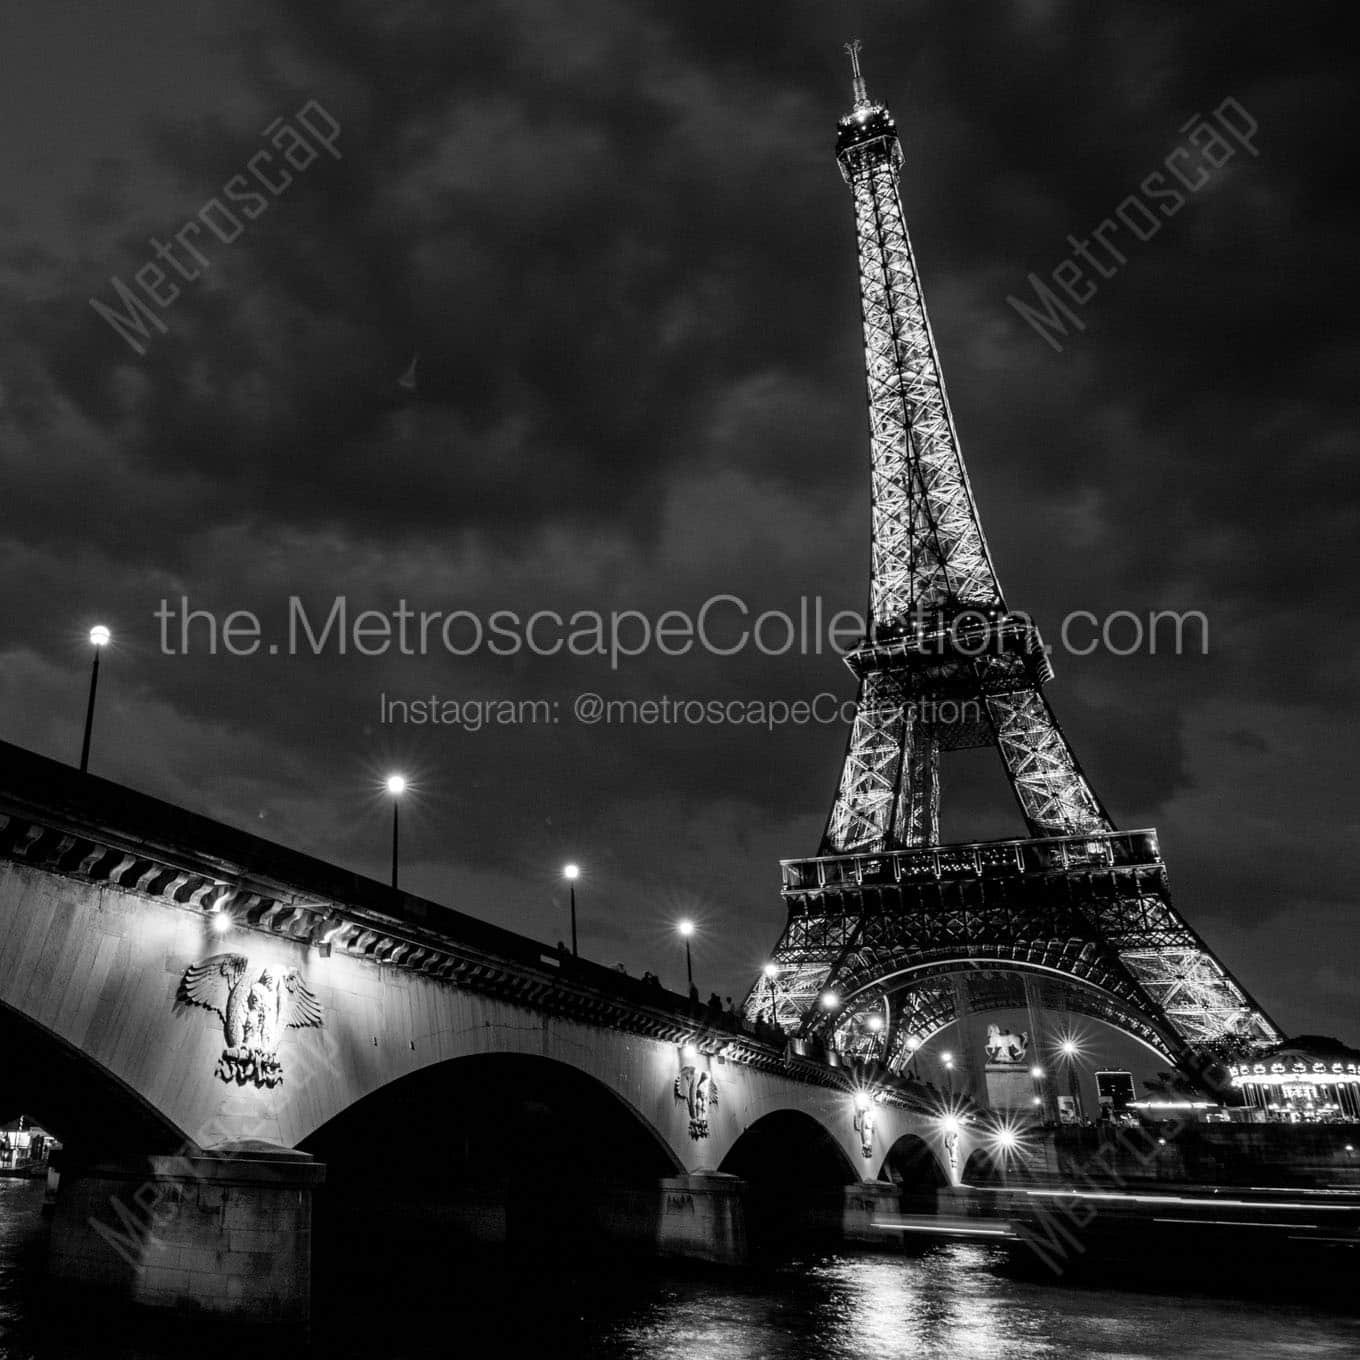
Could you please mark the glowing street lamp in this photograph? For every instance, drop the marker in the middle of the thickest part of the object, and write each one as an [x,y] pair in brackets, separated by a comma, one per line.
[100,637]
[1070,1051]
[396,786]
[1037,1073]
[571,872]
[771,975]
[948,1060]
[686,929]
[913,1046]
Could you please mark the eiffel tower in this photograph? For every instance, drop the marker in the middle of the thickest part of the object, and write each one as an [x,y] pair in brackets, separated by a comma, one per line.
[892,936]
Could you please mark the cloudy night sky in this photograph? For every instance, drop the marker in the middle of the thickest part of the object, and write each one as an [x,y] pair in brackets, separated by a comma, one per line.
[616,235]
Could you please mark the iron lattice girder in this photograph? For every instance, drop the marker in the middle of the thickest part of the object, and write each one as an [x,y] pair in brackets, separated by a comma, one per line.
[1094,909]
[927,547]
[944,683]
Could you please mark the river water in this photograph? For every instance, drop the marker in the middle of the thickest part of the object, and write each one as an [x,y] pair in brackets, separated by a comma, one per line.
[954,1300]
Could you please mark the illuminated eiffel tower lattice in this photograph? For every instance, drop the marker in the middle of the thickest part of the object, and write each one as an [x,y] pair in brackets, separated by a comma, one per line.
[891,936]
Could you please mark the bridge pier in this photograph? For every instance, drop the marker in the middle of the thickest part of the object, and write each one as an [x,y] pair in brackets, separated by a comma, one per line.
[867,1205]
[227,1232]
[703,1216]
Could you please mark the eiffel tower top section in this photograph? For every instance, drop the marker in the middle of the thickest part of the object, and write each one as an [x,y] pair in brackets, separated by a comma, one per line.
[929,557]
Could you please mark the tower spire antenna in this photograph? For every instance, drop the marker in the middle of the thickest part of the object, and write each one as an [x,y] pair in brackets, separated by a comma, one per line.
[853,47]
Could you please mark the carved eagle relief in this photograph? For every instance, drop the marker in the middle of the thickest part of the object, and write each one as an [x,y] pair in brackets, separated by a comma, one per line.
[255,1007]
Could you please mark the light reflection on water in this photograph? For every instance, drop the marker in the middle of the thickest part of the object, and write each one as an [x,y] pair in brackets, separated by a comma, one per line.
[950,1302]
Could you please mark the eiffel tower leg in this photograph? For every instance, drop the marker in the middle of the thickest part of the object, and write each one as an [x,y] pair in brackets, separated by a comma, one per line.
[970,1080]
[1053,793]
[1039,1048]
[918,804]
[889,795]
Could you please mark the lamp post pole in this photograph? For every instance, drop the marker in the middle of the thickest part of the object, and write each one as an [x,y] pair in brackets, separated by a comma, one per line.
[571,873]
[396,786]
[686,929]
[99,639]
[1070,1054]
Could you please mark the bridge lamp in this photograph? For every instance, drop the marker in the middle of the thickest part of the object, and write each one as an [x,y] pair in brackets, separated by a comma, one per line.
[571,872]
[949,1124]
[875,1023]
[100,637]
[689,1053]
[862,1101]
[830,1001]
[1007,1139]
[1036,1072]
[396,786]
[686,929]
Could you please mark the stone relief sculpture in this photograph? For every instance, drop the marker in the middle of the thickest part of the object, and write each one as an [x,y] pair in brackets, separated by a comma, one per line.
[864,1126]
[255,1007]
[698,1090]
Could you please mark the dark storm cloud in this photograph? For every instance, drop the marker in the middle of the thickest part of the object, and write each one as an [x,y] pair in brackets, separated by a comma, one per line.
[617,239]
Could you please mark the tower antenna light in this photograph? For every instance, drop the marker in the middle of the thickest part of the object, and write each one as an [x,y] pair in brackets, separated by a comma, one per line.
[861,95]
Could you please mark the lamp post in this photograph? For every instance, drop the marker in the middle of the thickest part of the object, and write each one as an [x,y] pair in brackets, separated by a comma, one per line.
[99,639]
[571,872]
[771,971]
[948,1060]
[686,929]
[396,786]
[913,1045]
[1038,1074]
[1070,1053]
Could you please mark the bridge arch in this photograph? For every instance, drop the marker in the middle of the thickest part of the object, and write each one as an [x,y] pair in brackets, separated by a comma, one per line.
[796,1174]
[912,1165]
[498,1111]
[787,1145]
[984,1168]
[509,1150]
[74,1096]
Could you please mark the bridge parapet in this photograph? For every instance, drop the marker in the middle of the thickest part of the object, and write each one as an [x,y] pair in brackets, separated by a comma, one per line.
[92,830]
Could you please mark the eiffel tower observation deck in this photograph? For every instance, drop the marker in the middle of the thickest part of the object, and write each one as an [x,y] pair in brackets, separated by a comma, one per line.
[892,936]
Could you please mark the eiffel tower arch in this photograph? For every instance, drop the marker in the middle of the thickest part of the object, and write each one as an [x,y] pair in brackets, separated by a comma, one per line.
[892,936]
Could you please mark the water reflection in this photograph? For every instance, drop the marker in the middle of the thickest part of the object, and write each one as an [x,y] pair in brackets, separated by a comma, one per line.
[943,1301]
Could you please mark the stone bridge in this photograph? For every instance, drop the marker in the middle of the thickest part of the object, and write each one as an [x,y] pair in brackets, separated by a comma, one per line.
[228,1034]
